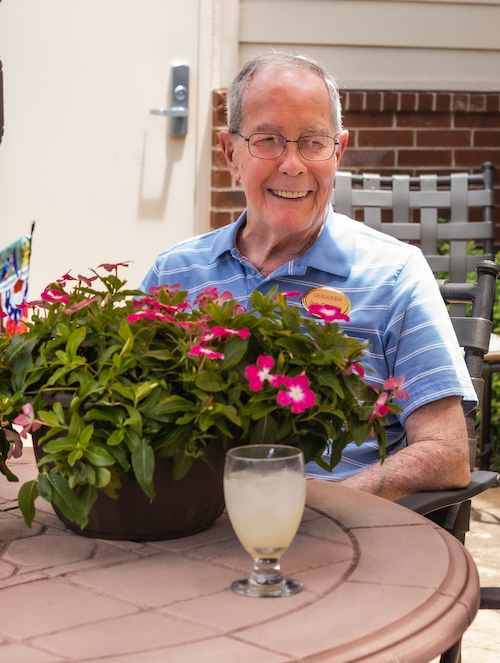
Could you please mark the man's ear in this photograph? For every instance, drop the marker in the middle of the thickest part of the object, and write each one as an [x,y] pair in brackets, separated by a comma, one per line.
[343,138]
[227,144]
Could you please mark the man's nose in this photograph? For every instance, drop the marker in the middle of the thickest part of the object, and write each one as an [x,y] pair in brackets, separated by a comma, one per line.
[292,162]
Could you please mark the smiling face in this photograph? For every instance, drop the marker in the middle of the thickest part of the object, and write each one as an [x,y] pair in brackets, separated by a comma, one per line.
[289,194]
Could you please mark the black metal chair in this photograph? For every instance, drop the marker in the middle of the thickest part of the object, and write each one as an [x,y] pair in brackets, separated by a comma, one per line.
[451,508]
[412,209]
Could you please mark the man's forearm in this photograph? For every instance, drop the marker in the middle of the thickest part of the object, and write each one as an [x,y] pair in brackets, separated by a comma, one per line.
[436,458]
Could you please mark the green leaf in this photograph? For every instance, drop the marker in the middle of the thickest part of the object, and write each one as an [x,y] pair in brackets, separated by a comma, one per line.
[74,456]
[87,496]
[49,418]
[98,456]
[265,431]
[111,414]
[126,334]
[61,444]
[74,342]
[66,500]
[86,435]
[234,351]
[26,500]
[170,405]
[116,437]
[210,381]
[182,465]
[231,413]
[44,487]
[143,463]
[329,380]
[103,477]
[21,367]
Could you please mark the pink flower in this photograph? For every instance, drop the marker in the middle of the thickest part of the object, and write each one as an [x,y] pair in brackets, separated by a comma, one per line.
[292,293]
[16,447]
[224,332]
[187,324]
[152,301]
[239,309]
[211,295]
[87,280]
[170,289]
[327,312]
[109,267]
[27,420]
[379,408]
[299,396]
[152,315]
[354,368]
[82,304]
[260,373]
[53,295]
[200,350]
[396,384]
[67,277]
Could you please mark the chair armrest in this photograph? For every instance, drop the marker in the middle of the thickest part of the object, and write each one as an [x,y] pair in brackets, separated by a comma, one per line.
[424,503]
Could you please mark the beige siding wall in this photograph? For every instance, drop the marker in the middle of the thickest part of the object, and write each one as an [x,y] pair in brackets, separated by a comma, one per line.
[383,44]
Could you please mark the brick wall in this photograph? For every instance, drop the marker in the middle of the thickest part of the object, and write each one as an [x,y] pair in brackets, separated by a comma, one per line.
[407,133]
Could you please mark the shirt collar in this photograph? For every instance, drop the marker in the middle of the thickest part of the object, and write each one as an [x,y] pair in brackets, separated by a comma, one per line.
[333,252]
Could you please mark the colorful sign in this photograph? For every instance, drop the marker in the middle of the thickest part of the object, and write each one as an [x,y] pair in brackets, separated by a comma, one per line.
[14,271]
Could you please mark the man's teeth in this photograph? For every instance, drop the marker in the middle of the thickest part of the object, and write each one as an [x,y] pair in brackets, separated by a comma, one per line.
[289,194]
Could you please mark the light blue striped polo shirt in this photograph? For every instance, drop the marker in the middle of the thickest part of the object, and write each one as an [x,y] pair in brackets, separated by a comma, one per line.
[395,305]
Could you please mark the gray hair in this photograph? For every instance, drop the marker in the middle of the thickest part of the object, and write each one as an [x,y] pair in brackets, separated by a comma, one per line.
[277,60]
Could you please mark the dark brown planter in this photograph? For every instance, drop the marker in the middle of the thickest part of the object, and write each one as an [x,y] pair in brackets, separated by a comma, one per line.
[180,508]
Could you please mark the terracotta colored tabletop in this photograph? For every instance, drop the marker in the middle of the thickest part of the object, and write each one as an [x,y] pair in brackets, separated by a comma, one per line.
[381,585]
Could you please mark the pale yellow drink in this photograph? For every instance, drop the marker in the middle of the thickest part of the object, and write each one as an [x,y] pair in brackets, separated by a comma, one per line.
[265,509]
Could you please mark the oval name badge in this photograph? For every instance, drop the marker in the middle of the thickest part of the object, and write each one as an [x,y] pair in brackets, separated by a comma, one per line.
[329,296]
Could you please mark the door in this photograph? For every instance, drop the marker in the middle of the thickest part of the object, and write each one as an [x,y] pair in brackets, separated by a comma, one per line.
[82,155]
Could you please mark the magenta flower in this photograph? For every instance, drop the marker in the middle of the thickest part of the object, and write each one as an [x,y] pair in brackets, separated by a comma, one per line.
[380,409]
[292,293]
[82,304]
[67,277]
[396,384]
[109,267]
[53,296]
[188,324]
[201,350]
[224,332]
[260,373]
[354,368]
[152,315]
[328,313]
[299,396]
[27,420]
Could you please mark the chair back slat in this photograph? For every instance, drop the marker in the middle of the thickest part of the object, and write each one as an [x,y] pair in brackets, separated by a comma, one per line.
[438,199]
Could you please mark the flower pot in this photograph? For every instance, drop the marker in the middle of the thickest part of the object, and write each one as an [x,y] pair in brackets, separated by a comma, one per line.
[180,508]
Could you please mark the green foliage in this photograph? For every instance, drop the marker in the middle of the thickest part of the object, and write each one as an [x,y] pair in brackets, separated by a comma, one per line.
[136,386]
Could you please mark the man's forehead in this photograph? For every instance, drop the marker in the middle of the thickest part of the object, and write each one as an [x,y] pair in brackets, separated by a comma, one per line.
[277,128]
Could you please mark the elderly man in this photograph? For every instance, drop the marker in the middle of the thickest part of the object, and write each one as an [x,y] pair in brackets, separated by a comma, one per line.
[284,144]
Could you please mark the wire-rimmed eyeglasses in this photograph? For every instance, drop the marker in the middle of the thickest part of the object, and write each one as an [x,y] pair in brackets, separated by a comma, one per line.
[272,146]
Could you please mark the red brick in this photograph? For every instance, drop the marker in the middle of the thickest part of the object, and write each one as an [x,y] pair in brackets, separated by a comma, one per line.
[487,138]
[225,199]
[367,159]
[218,159]
[221,179]
[441,120]
[390,101]
[385,138]
[425,101]
[356,101]
[419,158]
[219,98]
[219,118]
[215,138]
[477,120]
[477,103]
[474,158]
[219,219]
[460,102]
[408,101]
[355,119]
[373,102]
[443,101]
[450,138]
[493,102]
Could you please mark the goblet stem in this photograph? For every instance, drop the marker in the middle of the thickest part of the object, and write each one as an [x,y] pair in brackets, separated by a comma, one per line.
[267,572]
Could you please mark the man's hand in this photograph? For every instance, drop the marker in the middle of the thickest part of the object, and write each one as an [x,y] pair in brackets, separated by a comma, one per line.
[437,456]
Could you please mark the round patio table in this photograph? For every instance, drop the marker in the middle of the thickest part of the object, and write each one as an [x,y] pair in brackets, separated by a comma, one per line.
[381,584]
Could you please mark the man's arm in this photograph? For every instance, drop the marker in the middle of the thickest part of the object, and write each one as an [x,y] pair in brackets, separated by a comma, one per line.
[437,456]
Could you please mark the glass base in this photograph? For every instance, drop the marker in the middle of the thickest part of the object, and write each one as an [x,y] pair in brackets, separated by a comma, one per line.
[248,587]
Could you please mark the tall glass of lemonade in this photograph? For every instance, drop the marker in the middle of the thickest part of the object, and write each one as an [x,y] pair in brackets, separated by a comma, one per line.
[265,492]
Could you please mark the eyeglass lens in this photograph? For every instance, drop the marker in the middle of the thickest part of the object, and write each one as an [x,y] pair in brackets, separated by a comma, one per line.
[272,146]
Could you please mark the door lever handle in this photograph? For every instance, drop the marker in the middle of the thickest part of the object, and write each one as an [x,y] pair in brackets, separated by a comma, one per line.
[180,96]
